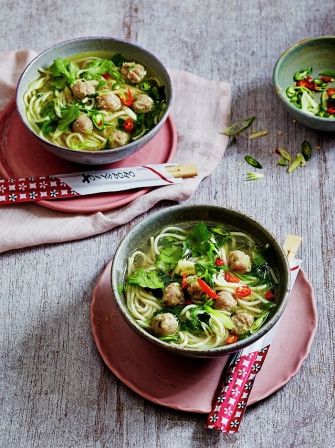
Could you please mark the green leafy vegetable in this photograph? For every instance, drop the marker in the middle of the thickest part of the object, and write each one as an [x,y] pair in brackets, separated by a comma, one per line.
[226,320]
[69,115]
[120,288]
[64,72]
[118,60]
[197,239]
[168,258]
[193,325]
[306,150]
[98,67]
[238,127]
[146,279]
[253,162]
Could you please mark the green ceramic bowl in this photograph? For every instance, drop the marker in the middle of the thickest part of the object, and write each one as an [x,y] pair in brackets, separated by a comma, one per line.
[316,52]
[190,214]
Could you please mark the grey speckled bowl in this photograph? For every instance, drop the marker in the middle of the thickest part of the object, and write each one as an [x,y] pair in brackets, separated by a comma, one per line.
[189,214]
[316,52]
[88,44]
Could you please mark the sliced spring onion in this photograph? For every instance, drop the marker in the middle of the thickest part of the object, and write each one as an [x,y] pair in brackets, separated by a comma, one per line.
[257,134]
[290,92]
[253,162]
[285,155]
[306,150]
[330,73]
[298,161]
[308,104]
[282,162]
[302,74]
[145,86]
[254,176]
[238,127]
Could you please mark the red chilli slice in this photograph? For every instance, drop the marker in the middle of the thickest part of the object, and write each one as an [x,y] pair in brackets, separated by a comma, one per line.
[242,291]
[231,278]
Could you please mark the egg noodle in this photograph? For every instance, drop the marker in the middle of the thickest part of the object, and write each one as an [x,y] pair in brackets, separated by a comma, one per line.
[144,305]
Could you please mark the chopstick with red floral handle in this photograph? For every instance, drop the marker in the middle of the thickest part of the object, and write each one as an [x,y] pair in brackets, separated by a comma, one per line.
[240,372]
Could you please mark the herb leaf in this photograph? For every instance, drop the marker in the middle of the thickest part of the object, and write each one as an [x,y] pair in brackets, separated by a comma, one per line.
[64,72]
[197,239]
[238,127]
[146,279]
[168,258]
[69,114]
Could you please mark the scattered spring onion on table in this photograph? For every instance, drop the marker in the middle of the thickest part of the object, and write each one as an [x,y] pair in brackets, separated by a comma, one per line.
[313,95]
[257,134]
[254,176]
[236,128]
[300,159]
[253,162]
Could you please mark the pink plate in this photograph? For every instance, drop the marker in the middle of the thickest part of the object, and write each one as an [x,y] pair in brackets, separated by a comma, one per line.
[21,155]
[189,384]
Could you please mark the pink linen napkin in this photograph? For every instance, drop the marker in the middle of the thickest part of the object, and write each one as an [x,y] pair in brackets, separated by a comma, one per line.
[201,109]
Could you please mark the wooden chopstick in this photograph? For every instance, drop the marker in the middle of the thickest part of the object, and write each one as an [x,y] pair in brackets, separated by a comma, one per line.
[291,246]
[183,171]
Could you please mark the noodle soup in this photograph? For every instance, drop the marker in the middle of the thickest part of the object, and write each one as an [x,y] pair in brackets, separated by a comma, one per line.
[200,286]
[94,101]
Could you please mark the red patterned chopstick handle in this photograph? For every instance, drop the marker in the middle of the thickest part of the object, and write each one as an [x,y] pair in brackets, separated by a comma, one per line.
[32,189]
[228,410]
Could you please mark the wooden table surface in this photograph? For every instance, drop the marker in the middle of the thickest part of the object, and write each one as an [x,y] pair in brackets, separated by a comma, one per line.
[55,390]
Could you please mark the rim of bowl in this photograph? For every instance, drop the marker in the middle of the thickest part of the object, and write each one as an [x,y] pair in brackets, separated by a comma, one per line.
[222,350]
[105,151]
[279,90]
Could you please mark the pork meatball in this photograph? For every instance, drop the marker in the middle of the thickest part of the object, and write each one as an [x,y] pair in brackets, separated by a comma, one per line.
[225,301]
[143,104]
[193,289]
[173,295]
[164,324]
[239,261]
[109,101]
[83,124]
[242,322]
[133,72]
[119,138]
[82,88]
